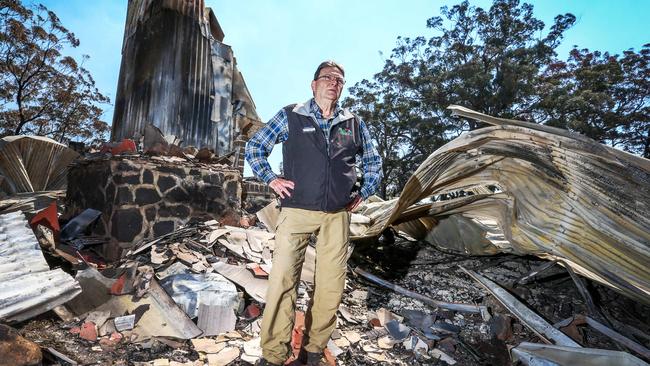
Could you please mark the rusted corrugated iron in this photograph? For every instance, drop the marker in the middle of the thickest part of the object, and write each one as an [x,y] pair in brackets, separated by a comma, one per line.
[177,75]
[27,285]
[562,196]
[33,164]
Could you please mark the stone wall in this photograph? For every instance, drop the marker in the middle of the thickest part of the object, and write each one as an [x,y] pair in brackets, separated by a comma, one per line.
[256,195]
[144,198]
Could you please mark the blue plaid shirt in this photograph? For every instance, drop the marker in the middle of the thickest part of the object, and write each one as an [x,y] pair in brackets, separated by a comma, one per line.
[276,131]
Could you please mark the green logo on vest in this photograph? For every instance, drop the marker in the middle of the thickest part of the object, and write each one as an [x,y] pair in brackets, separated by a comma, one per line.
[345,131]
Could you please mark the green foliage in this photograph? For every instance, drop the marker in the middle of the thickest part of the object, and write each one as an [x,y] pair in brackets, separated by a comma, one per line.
[43,92]
[603,96]
[500,61]
[487,60]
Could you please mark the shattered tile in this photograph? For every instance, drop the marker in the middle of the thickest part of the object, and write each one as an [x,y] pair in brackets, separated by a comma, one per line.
[253,349]
[440,355]
[352,336]
[255,327]
[336,334]
[334,349]
[255,287]
[107,328]
[359,296]
[257,270]
[232,335]
[224,357]
[384,315]
[347,315]
[98,317]
[235,248]
[375,333]
[397,330]
[216,234]
[207,345]
[415,344]
[387,342]
[159,255]
[342,342]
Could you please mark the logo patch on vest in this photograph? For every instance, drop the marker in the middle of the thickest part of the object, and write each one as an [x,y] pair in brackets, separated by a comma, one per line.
[345,131]
[308,129]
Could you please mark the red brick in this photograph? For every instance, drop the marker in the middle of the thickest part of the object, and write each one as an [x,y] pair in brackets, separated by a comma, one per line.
[88,331]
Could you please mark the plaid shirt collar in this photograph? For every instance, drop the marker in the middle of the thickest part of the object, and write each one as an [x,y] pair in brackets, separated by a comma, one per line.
[315,109]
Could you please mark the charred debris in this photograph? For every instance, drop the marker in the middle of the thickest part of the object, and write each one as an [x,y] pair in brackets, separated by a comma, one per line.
[150,257]
[155,250]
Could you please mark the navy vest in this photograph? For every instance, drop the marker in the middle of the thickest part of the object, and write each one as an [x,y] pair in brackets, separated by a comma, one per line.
[324,176]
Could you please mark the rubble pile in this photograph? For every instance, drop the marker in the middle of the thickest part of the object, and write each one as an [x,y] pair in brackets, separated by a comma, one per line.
[195,296]
[154,262]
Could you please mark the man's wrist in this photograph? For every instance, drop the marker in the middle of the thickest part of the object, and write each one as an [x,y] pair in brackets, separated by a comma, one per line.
[268,178]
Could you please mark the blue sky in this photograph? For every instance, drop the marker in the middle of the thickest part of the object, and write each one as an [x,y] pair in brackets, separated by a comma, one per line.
[278,44]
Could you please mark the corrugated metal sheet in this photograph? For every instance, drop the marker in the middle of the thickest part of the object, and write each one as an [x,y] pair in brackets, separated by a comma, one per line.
[27,285]
[34,163]
[178,75]
[31,202]
[562,196]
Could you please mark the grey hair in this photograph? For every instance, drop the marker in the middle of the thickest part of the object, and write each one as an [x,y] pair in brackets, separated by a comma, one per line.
[328,63]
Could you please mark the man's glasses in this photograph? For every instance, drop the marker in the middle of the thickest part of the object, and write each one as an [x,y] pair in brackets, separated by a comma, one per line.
[330,78]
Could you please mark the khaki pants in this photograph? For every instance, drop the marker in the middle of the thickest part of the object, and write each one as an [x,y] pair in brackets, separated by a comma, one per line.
[291,240]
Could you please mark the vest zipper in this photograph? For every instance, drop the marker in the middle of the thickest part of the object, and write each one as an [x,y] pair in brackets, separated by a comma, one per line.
[327,168]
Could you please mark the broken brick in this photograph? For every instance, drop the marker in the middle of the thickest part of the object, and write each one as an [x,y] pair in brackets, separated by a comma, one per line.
[88,331]
[252,311]
[118,286]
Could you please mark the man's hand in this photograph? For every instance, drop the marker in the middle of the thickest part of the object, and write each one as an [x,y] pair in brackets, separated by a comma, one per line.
[356,201]
[281,187]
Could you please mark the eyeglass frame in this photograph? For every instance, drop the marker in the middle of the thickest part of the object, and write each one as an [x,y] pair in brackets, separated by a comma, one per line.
[331,78]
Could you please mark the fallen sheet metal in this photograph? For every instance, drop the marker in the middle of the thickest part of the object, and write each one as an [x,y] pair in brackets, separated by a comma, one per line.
[469,236]
[162,319]
[34,163]
[616,336]
[187,55]
[95,291]
[215,317]
[527,317]
[78,225]
[27,285]
[534,354]
[425,299]
[190,291]
[255,287]
[30,202]
[558,195]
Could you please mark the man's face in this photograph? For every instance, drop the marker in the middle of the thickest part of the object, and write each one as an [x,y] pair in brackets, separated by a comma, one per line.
[329,84]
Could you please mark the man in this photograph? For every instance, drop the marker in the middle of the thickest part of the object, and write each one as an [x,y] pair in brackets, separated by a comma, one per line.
[321,142]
